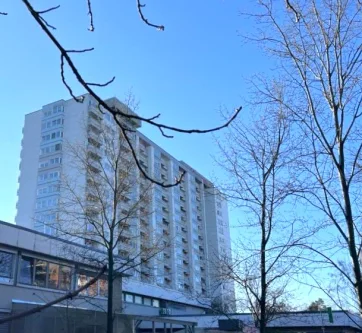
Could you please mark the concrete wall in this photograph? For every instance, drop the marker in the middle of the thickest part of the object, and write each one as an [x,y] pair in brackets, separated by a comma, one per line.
[29,163]
[65,319]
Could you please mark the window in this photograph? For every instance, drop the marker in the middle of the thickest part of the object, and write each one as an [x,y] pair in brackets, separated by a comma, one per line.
[6,265]
[103,287]
[99,288]
[43,164]
[56,160]
[26,270]
[40,273]
[147,301]
[53,276]
[51,149]
[58,109]
[92,289]
[52,123]
[82,280]
[65,273]
[46,203]
[128,298]
[138,299]
[44,274]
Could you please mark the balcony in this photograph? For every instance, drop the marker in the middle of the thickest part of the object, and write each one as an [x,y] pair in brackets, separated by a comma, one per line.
[199,218]
[124,239]
[182,188]
[124,253]
[165,209]
[164,198]
[183,209]
[165,221]
[184,240]
[94,129]
[125,198]
[163,167]
[94,155]
[94,143]
[143,151]
[182,198]
[124,225]
[165,232]
[94,120]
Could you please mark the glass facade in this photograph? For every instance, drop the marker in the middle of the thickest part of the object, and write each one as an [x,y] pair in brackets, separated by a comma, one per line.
[44,274]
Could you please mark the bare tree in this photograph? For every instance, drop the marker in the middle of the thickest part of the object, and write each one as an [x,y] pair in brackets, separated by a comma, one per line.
[318,46]
[256,157]
[67,62]
[104,203]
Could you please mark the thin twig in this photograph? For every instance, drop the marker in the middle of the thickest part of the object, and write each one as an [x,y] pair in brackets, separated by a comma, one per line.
[289,6]
[80,51]
[48,10]
[101,84]
[47,24]
[79,100]
[143,18]
[90,14]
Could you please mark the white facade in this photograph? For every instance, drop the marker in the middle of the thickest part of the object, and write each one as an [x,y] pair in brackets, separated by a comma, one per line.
[192,219]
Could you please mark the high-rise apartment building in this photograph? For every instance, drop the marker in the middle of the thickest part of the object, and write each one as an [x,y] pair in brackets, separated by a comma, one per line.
[192,218]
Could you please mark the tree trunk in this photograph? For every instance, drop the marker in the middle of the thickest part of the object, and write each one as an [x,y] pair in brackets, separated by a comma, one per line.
[351,242]
[110,292]
[262,320]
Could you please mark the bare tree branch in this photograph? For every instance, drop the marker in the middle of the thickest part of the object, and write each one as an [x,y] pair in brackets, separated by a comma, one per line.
[90,14]
[143,18]
[66,59]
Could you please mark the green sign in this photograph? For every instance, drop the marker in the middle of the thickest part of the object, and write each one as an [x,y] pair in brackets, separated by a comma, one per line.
[330,314]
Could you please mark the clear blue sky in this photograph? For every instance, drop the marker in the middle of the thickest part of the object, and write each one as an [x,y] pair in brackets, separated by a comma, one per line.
[186,72]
